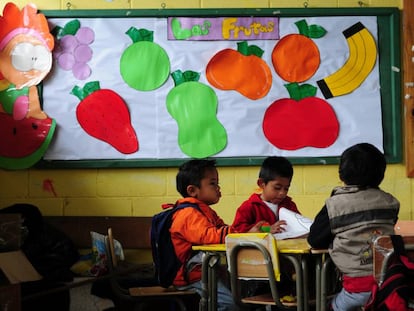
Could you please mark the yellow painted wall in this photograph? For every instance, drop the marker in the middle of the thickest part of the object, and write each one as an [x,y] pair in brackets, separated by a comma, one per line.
[141,191]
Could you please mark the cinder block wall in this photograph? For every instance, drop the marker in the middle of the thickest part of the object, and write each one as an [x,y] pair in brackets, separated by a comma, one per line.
[141,191]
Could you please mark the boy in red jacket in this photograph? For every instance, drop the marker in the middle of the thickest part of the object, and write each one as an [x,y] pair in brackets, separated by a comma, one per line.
[274,181]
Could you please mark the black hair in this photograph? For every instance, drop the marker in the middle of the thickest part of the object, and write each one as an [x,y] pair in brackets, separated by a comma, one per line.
[191,173]
[275,166]
[362,165]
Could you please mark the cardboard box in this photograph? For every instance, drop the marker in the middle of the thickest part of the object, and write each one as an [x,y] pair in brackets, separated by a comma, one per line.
[17,268]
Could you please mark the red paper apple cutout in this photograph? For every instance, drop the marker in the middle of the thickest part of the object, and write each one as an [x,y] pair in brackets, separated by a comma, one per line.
[302,121]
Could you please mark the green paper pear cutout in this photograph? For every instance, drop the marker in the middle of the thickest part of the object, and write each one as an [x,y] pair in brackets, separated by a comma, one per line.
[194,106]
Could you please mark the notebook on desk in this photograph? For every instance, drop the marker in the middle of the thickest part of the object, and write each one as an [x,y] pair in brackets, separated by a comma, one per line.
[297,225]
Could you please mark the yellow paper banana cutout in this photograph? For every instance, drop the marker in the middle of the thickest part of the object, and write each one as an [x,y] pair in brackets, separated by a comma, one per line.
[361,60]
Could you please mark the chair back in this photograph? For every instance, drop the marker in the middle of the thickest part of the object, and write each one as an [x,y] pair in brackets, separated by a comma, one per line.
[253,261]
[253,256]
[383,250]
[115,260]
[142,296]
[110,247]
[112,263]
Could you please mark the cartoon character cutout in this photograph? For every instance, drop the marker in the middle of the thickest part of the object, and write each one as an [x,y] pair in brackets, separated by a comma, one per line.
[25,57]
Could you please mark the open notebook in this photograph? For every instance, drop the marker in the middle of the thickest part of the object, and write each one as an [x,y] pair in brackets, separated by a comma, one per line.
[297,225]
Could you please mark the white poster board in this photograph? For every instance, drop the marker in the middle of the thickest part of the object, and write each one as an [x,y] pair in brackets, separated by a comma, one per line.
[359,113]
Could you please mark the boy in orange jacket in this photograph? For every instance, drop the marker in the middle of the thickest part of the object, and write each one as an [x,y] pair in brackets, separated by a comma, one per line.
[198,182]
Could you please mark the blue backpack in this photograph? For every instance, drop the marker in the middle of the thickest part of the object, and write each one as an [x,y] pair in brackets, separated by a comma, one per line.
[166,263]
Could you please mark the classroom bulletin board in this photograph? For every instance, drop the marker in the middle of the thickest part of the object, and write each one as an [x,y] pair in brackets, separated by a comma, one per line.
[218,88]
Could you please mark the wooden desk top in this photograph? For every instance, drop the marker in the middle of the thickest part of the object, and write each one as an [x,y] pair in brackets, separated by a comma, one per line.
[289,246]
[293,246]
[210,247]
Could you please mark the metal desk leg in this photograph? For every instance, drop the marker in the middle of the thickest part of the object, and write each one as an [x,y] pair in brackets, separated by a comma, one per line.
[208,301]
[204,283]
[212,264]
[324,282]
[305,277]
[299,281]
[318,269]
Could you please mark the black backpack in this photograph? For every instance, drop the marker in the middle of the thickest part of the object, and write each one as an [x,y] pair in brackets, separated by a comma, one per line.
[48,249]
[166,263]
[396,292]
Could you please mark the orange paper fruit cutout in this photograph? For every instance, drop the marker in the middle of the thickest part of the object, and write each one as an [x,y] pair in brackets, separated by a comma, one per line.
[296,57]
[103,114]
[243,71]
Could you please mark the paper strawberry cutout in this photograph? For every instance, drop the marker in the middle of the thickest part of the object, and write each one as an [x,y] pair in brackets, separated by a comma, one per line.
[103,114]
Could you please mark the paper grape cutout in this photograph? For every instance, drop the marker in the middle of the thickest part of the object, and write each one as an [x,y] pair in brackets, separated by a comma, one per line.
[73,51]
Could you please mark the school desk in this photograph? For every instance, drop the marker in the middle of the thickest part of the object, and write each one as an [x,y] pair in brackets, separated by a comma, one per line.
[293,249]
